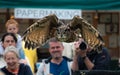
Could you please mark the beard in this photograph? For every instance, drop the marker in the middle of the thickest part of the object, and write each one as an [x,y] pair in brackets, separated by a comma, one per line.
[56,56]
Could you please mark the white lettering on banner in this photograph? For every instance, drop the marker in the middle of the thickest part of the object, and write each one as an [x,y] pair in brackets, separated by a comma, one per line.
[40,13]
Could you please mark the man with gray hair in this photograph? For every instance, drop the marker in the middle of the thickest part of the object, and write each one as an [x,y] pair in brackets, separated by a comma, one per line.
[56,64]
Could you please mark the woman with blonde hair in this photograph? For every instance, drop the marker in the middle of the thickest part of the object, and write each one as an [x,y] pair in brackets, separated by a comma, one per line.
[13,67]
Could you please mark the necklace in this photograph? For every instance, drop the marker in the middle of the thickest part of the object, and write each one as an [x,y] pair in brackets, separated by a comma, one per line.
[14,71]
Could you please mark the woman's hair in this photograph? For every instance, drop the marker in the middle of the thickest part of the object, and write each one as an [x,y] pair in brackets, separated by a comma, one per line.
[12,49]
[11,21]
[9,34]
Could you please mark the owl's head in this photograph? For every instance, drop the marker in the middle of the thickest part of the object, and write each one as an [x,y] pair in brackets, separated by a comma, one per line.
[64,33]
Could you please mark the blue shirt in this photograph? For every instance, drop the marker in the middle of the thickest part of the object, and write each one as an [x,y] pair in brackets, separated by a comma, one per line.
[22,54]
[59,69]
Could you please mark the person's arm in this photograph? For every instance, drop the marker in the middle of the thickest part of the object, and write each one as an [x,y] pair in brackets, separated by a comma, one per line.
[82,54]
[75,63]
[86,60]
[88,63]
[78,52]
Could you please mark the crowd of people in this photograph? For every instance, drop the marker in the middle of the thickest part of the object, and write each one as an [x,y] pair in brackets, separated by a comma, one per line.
[14,59]
[11,38]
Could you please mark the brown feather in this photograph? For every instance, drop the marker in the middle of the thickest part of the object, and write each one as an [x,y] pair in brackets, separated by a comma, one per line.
[39,32]
[88,32]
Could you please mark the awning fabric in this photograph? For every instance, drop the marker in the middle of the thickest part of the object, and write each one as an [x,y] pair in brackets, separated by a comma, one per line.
[62,4]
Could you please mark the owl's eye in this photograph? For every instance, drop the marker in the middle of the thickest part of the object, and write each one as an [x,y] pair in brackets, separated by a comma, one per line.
[68,29]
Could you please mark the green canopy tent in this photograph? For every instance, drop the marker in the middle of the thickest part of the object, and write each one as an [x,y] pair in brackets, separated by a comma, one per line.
[62,4]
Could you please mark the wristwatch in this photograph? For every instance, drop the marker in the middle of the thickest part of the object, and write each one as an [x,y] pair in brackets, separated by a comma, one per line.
[83,58]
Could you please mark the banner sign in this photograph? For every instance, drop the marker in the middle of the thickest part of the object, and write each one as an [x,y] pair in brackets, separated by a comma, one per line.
[31,13]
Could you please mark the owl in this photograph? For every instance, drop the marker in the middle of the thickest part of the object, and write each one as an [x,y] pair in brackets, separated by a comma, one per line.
[38,34]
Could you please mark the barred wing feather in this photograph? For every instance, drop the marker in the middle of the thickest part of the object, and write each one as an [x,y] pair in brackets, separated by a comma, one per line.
[39,32]
[87,31]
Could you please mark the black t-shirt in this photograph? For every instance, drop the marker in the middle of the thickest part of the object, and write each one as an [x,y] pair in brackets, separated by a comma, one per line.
[23,70]
[101,60]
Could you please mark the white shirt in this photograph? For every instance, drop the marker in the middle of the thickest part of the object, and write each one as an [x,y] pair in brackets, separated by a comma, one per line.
[68,49]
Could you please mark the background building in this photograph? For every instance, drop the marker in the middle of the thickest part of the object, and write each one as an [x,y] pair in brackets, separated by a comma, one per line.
[106,21]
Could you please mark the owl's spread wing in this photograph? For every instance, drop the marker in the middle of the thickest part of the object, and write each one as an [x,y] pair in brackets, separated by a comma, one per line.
[39,32]
[87,32]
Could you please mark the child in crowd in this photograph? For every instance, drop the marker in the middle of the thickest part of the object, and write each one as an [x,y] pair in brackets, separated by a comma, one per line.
[12,26]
